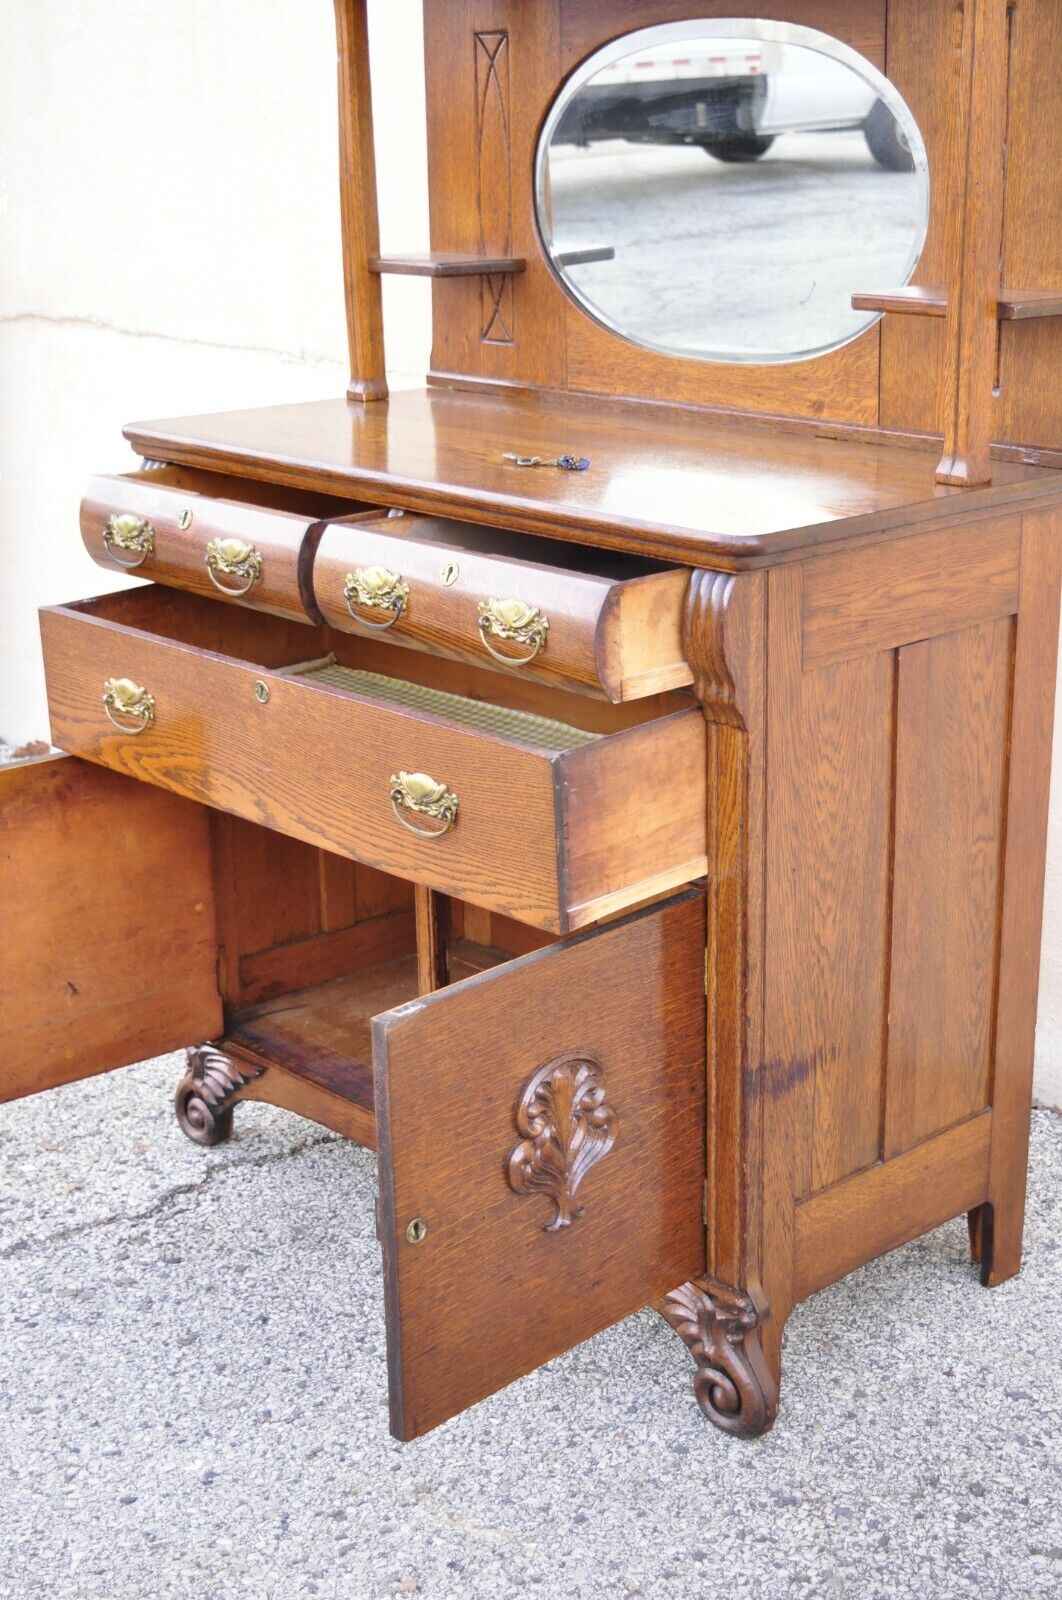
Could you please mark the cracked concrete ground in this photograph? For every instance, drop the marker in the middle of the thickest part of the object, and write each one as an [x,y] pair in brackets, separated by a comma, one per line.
[193,1402]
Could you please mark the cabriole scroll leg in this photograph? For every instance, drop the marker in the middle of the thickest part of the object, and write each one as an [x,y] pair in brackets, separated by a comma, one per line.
[734,1385]
[206,1094]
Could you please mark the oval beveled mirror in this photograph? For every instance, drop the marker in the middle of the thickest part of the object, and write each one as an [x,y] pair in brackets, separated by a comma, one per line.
[720,188]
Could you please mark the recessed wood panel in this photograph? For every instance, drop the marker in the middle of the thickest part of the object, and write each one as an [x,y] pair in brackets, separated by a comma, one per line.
[492,1291]
[827,852]
[909,589]
[108,953]
[952,722]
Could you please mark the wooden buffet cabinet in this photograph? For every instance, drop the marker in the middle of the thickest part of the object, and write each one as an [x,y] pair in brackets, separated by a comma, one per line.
[647,860]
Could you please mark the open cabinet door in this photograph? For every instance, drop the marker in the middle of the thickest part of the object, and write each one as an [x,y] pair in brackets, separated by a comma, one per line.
[541,1150]
[108,949]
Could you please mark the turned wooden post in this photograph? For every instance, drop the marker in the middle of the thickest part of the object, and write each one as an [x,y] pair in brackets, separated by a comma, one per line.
[358,209]
[974,236]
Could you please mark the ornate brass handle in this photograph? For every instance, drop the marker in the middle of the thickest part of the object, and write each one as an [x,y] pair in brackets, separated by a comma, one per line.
[124,698]
[129,533]
[414,794]
[377,589]
[233,558]
[516,621]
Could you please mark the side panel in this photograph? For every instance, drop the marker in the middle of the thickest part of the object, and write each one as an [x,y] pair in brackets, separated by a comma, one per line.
[544,1122]
[108,951]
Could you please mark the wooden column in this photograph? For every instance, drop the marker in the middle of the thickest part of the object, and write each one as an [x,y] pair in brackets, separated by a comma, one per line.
[358,210]
[432,912]
[974,241]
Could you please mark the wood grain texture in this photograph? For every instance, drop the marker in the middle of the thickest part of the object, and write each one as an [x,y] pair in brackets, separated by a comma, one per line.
[973,242]
[911,589]
[432,913]
[1028,786]
[490,1294]
[357,204]
[613,621]
[212,740]
[891,1203]
[587,24]
[952,727]
[491,67]
[1013,305]
[662,482]
[446,264]
[213,509]
[97,967]
[829,822]
[1029,404]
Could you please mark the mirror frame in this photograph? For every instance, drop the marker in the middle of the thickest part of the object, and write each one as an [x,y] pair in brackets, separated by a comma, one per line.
[769,31]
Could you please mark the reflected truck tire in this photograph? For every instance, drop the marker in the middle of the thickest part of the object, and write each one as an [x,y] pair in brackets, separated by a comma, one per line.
[885,139]
[737,146]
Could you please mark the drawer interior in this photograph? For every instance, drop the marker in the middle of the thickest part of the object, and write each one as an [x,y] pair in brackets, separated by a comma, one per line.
[447,534]
[357,665]
[244,491]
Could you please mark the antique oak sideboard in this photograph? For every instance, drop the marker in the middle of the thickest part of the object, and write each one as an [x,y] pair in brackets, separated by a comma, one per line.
[612,781]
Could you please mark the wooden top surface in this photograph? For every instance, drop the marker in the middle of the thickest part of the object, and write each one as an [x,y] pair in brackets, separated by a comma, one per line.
[662,482]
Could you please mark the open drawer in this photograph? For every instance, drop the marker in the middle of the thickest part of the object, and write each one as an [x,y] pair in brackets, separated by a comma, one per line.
[590,620]
[540,1135]
[554,809]
[251,543]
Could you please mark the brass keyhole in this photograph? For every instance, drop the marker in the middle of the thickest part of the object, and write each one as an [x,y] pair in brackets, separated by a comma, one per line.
[417,1231]
[449,573]
[184,519]
[261,692]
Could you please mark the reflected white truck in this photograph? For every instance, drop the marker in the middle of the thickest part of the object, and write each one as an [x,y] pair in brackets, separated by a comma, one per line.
[732,98]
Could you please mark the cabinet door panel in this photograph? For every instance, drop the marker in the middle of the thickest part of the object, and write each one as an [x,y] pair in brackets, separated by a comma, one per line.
[543,1123]
[108,951]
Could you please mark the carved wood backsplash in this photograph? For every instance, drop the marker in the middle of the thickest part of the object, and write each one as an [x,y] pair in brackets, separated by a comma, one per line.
[494,181]
[493,68]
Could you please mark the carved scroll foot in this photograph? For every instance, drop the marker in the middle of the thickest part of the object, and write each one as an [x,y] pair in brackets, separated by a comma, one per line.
[209,1089]
[719,1325]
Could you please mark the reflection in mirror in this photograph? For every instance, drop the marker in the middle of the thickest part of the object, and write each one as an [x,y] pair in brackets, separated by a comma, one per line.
[721,188]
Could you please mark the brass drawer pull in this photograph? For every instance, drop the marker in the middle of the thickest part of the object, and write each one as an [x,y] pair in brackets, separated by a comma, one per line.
[516,621]
[233,558]
[377,589]
[133,534]
[124,698]
[414,794]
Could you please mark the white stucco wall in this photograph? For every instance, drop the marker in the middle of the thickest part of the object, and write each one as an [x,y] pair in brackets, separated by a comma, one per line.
[169,242]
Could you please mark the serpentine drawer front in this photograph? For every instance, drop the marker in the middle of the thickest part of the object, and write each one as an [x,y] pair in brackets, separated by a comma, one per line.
[590,620]
[218,536]
[557,822]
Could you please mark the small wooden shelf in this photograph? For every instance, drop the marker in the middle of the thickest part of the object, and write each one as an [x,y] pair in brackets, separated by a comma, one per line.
[921,300]
[446,264]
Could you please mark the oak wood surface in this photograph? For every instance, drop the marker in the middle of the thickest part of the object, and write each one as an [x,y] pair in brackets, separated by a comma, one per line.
[892,1202]
[828,824]
[357,204]
[490,1293]
[664,483]
[973,236]
[214,509]
[446,264]
[927,584]
[921,300]
[613,624]
[1028,787]
[317,762]
[107,955]
[953,707]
